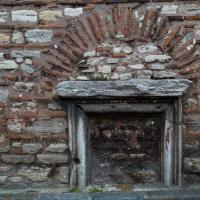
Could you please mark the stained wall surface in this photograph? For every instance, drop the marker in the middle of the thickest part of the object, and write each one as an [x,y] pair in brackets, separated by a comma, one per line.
[43,42]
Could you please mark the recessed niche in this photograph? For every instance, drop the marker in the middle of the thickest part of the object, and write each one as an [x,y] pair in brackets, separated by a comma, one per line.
[125,132]
[125,148]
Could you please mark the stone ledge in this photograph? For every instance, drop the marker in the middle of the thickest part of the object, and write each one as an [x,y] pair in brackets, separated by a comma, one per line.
[158,195]
[132,88]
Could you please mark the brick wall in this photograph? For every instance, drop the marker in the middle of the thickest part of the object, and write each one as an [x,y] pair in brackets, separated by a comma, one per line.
[43,42]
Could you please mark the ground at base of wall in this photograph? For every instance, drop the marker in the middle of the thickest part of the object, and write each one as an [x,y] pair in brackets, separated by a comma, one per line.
[186,194]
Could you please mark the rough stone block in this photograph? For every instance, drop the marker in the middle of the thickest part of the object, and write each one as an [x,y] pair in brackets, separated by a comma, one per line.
[189,9]
[15,127]
[163,74]
[192,165]
[56,148]
[15,179]
[4,37]
[17,37]
[25,54]
[52,158]
[48,126]
[157,58]
[39,35]
[24,15]
[3,95]
[169,9]
[8,64]
[136,66]
[148,48]
[31,148]
[3,179]
[35,174]
[27,69]
[5,168]
[112,60]
[63,175]
[73,12]
[50,15]
[105,69]
[23,87]
[3,16]
[144,74]
[89,54]
[14,159]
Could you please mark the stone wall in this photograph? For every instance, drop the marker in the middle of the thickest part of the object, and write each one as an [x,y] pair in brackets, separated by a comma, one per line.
[43,42]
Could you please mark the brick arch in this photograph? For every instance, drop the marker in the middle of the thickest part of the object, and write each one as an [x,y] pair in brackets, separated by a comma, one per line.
[126,25]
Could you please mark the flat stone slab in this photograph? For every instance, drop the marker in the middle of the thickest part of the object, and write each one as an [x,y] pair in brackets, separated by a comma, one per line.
[130,88]
[182,194]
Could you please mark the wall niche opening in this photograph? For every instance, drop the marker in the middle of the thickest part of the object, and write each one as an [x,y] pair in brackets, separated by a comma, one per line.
[125,148]
[125,134]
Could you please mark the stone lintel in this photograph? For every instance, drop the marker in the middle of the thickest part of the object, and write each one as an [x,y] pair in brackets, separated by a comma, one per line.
[131,88]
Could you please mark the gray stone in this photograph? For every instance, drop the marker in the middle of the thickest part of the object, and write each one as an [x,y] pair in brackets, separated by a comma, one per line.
[82,78]
[54,106]
[148,48]
[136,66]
[144,74]
[89,54]
[8,64]
[25,53]
[56,148]
[163,74]
[64,175]
[27,69]
[192,165]
[125,76]
[157,66]
[50,15]
[24,15]
[15,127]
[1,54]
[112,60]
[120,69]
[23,87]
[3,179]
[192,103]
[19,60]
[31,148]
[115,76]
[30,105]
[48,126]
[93,61]
[169,9]
[3,95]
[14,159]
[35,174]
[157,58]
[3,16]
[189,9]
[117,49]
[73,12]
[39,35]
[105,69]
[15,179]
[127,50]
[5,168]
[4,148]
[28,61]
[134,87]
[17,37]
[52,158]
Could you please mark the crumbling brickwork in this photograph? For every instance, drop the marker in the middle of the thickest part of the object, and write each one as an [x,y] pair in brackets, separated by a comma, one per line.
[43,42]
